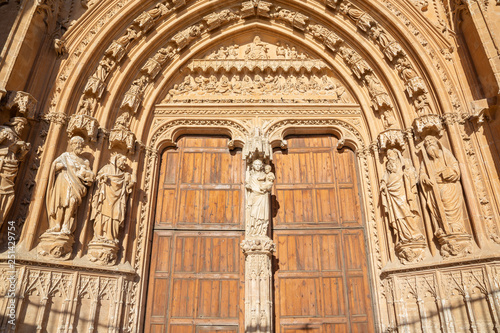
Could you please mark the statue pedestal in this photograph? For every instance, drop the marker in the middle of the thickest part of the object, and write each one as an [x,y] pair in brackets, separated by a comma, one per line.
[103,252]
[411,252]
[56,245]
[258,284]
[455,244]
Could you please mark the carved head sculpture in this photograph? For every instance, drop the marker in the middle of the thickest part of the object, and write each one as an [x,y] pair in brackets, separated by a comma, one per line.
[431,146]
[257,165]
[393,160]
[18,123]
[76,144]
[120,161]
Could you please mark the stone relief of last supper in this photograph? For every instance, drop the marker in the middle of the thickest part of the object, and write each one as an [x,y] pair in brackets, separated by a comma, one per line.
[258,71]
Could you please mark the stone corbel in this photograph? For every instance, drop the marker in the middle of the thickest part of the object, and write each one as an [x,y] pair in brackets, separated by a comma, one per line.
[430,124]
[122,139]
[391,138]
[482,111]
[23,102]
[95,87]
[83,124]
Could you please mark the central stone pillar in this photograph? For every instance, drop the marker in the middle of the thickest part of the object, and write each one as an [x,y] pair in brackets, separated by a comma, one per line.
[257,246]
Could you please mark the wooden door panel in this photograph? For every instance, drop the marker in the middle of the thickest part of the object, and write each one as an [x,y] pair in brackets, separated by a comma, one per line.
[200,184]
[196,277]
[321,277]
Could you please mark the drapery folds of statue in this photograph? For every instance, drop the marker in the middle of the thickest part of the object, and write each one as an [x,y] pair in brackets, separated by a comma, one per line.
[399,197]
[109,202]
[12,152]
[258,185]
[69,177]
[440,177]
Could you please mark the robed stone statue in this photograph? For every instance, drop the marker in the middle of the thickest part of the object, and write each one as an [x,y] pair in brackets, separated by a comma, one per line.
[109,205]
[12,152]
[440,178]
[399,199]
[258,184]
[69,177]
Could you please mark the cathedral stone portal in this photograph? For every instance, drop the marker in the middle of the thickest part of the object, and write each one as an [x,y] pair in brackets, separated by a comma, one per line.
[249,166]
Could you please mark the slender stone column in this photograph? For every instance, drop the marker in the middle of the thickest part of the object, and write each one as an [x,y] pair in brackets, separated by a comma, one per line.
[257,246]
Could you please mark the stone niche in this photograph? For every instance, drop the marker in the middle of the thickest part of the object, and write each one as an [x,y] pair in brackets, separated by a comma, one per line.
[257,69]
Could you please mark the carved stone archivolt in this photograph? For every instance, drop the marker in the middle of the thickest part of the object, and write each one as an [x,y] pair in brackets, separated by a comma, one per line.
[231,74]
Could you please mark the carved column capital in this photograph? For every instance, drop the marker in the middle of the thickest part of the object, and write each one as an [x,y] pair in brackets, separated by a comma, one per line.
[258,246]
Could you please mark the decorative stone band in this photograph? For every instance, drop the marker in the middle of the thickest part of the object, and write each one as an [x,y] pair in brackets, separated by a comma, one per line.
[264,64]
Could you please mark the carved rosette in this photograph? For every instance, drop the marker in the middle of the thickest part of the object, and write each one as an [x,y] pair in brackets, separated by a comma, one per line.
[83,124]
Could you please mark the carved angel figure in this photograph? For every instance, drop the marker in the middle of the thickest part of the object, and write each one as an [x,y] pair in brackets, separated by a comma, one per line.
[109,202]
[399,197]
[12,152]
[69,177]
[258,184]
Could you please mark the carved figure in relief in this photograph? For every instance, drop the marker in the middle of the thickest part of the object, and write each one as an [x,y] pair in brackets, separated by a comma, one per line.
[183,38]
[258,184]
[103,69]
[117,48]
[69,177]
[362,19]
[440,177]
[422,105]
[357,64]
[280,51]
[257,50]
[12,151]
[399,198]
[109,202]
[390,47]
[328,38]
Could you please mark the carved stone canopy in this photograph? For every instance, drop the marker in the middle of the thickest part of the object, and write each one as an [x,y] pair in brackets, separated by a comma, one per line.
[258,69]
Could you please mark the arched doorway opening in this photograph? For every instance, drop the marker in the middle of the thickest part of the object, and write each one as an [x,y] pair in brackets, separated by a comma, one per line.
[196,280]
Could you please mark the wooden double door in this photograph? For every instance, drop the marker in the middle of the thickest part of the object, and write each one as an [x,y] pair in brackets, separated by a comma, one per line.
[196,280]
